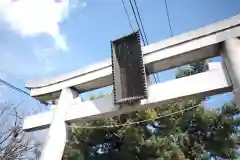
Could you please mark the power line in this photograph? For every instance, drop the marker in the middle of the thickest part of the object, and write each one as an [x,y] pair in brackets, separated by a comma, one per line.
[145,41]
[137,22]
[17,89]
[142,30]
[17,78]
[168,17]
[154,77]
[13,87]
[157,77]
[140,19]
[127,15]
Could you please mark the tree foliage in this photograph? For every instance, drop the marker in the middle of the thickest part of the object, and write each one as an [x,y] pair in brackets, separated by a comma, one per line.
[197,133]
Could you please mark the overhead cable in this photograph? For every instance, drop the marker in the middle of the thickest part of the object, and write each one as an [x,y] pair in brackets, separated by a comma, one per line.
[13,87]
[168,18]
[140,20]
[143,38]
[128,17]
[17,89]
[142,31]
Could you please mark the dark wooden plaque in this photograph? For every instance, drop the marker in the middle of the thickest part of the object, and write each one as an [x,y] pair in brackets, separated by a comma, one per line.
[129,77]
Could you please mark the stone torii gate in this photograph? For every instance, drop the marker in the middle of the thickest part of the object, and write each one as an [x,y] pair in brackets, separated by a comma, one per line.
[213,40]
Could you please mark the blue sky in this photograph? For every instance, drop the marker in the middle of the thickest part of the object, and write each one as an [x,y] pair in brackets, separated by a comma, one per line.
[44,38]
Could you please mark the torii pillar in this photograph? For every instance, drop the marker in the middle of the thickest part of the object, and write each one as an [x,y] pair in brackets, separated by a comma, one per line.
[231,57]
[57,135]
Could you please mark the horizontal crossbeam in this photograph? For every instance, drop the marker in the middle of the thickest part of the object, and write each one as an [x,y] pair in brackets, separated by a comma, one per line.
[214,81]
[179,50]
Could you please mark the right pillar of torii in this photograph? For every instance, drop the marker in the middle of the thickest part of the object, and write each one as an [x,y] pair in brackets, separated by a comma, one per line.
[231,57]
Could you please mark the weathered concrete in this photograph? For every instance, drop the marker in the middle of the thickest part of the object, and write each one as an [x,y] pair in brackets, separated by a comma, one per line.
[231,57]
[188,47]
[57,134]
[214,81]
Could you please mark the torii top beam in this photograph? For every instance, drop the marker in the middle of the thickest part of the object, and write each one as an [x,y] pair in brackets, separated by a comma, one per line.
[173,52]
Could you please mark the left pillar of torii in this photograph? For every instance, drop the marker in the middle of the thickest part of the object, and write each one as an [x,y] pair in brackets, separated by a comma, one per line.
[57,135]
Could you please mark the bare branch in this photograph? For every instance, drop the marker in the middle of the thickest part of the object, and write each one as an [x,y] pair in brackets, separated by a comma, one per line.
[14,143]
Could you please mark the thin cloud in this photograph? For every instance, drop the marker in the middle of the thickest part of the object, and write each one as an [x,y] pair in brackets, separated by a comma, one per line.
[33,17]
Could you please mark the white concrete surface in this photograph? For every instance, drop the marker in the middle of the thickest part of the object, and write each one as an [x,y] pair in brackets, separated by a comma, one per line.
[231,57]
[173,52]
[208,83]
[57,134]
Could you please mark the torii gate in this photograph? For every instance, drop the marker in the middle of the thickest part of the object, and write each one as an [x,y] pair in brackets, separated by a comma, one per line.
[216,39]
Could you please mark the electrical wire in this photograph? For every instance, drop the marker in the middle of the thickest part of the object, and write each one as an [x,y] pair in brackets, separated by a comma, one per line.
[144,43]
[168,17]
[10,85]
[127,15]
[140,19]
[154,77]
[146,120]
[13,87]
[17,89]
[17,78]
[142,31]
[157,77]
